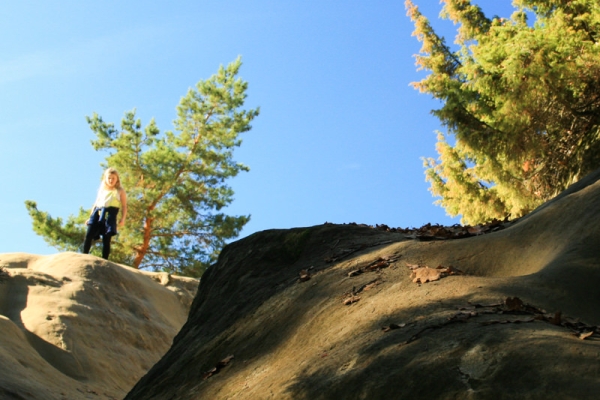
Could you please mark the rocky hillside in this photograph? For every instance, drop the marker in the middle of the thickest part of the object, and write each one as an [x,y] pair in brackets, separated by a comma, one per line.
[74,326]
[355,312]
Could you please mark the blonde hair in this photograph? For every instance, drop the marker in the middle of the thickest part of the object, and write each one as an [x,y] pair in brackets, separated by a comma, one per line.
[111,171]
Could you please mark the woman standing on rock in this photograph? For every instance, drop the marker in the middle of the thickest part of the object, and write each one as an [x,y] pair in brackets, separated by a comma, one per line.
[103,218]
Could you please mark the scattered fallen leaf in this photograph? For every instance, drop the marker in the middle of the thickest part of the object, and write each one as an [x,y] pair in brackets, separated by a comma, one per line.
[380,263]
[391,327]
[513,304]
[425,274]
[451,270]
[304,275]
[350,300]
[225,361]
[210,373]
[439,232]
[556,319]
[519,313]
[585,335]
[474,230]
[218,367]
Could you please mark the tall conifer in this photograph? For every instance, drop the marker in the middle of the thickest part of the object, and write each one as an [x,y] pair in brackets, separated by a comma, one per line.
[521,104]
[175,181]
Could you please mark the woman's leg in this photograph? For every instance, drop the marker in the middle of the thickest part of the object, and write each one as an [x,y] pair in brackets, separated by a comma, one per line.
[106,246]
[92,232]
[110,229]
[87,244]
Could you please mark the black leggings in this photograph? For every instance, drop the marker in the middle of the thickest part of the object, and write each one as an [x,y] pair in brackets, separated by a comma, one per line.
[87,244]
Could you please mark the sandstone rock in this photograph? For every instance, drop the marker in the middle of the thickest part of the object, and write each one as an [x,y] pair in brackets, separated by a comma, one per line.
[458,337]
[73,326]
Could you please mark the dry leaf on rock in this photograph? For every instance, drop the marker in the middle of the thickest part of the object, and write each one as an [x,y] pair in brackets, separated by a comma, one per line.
[423,274]
[585,335]
[304,275]
[474,230]
[450,270]
[514,304]
[350,300]
[379,263]
[556,319]
[217,367]
[426,274]
[371,285]
[392,327]
[225,361]
[440,232]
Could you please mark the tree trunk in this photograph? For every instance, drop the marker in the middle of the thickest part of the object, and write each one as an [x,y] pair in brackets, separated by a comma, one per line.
[141,251]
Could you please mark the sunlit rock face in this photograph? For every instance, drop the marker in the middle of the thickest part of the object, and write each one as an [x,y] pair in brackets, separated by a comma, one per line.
[74,326]
[350,312]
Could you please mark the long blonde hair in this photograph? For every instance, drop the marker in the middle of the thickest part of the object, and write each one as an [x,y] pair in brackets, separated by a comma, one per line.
[111,171]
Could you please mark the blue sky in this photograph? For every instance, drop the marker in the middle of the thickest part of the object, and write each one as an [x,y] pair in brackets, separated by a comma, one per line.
[339,139]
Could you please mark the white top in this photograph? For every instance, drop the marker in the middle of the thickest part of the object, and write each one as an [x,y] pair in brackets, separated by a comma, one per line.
[108,198]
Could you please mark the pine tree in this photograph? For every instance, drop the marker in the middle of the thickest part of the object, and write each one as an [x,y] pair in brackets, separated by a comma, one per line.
[175,181]
[521,104]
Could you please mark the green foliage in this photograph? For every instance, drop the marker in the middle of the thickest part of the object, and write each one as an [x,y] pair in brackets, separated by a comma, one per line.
[522,103]
[175,181]
[66,236]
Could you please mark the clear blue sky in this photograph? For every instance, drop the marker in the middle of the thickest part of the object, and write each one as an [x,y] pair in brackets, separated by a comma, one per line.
[340,135]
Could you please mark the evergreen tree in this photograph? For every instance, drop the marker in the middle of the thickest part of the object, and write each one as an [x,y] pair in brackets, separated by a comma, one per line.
[175,181]
[521,104]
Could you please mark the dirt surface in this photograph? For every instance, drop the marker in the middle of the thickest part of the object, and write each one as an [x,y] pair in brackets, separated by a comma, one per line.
[351,312]
[74,326]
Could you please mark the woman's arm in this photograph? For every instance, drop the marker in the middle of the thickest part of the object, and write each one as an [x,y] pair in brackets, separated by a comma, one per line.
[123,207]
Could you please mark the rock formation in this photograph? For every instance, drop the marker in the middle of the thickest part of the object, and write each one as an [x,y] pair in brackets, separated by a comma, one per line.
[356,312]
[73,326]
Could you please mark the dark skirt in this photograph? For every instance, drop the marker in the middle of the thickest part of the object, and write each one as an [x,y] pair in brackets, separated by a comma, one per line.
[103,222]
